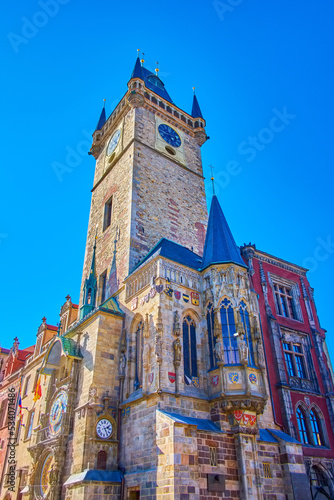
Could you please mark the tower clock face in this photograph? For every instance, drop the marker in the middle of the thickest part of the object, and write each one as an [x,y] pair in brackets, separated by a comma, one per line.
[104,428]
[169,135]
[58,408]
[113,142]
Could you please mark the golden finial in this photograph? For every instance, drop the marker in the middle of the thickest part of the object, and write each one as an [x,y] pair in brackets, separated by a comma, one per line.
[213,180]
[194,89]
[104,103]
[157,68]
[138,52]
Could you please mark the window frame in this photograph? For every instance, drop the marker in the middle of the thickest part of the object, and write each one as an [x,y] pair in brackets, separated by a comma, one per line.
[285,301]
[138,381]
[30,423]
[244,313]
[107,213]
[26,385]
[210,324]
[292,366]
[321,432]
[190,363]
[103,285]
[229,329]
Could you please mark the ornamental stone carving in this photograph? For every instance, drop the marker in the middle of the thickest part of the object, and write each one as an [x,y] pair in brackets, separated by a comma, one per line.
[243,349]
[177,352]
[122,365]
[260,354]
[176,324]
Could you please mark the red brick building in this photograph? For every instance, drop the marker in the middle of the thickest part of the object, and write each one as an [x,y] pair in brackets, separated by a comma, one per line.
[298,363]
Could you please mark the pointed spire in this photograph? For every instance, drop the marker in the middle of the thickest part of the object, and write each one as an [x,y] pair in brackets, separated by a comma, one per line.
[196,110]
[137,70]
[90,287]
[102,118]
[220,246]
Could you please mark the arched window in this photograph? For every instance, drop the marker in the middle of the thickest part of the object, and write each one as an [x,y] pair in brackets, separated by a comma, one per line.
[248,335]
[315,425]
[102,460]
[210,320]
[139,357]
[302,427]
[229,330]
[189,347]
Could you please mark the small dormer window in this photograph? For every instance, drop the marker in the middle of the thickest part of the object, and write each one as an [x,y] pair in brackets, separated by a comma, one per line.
[155,81]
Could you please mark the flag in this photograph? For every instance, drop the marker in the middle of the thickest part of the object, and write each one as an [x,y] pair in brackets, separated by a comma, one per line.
[38,390]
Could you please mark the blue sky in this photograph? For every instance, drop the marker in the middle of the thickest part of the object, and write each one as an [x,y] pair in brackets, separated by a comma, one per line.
[250,61]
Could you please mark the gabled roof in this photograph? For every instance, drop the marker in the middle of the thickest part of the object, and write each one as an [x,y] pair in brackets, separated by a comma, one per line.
[173,251]
[111,305]
[151,80]
[196,110]
[220,246]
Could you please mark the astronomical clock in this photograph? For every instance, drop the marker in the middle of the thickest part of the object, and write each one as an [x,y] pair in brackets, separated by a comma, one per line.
[49,441]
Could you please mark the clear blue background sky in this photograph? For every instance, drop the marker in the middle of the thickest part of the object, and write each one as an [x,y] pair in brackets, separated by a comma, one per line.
[245,62]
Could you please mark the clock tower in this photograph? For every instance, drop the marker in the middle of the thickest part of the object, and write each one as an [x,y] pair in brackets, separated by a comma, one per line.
[148,181]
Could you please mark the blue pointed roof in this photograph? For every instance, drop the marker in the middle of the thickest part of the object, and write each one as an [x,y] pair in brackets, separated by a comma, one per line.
[220,246]
[137,72]
[196,110]
[102,119]
[151,80]
[172,251]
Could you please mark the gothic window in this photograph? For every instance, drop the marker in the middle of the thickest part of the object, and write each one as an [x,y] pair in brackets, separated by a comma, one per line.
[228,331]
[139,356]
[284,302]
[317,477]
[294,360]
[315,426]
[248,334]
[189,347]
[210,320]
[102,460]
[302,426]
[107,214]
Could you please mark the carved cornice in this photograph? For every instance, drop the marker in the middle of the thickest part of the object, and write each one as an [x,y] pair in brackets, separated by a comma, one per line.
[281,263]
[231,405]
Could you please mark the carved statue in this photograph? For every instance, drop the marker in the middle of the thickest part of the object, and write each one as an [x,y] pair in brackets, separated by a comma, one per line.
[177,351]
[158,349]
[176,325]
[146,356]
[260,354]
[159,323]
[243,349]
[216,325]
[219,350]
[122,364]
[54,473]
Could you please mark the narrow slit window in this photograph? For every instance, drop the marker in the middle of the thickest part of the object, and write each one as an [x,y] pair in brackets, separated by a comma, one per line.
[107,214]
